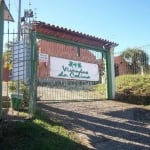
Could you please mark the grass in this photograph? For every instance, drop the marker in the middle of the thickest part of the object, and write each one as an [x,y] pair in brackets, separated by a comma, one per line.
[37,134]
[131,88]
[147,107]
[135,84]
[101,88]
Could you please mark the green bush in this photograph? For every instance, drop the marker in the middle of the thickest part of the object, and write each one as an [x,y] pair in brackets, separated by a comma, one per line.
[136,84]
[133,88]
[23,89]
[130,88]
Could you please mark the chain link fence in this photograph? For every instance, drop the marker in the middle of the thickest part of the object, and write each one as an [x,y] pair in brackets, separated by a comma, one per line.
[16,74]
[132,70]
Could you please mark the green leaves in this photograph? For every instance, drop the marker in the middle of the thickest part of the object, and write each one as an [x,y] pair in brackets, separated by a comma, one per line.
[7,59]
[137,59]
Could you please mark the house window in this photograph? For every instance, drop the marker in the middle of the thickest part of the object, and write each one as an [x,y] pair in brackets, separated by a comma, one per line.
[78,51]
[10,73]
[116,70]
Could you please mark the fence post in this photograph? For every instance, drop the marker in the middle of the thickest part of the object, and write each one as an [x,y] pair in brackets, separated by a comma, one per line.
[1,51]
[110,73]
[32,101]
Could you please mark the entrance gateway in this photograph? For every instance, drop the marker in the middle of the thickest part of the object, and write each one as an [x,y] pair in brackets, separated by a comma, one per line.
[61,64]
[72,65]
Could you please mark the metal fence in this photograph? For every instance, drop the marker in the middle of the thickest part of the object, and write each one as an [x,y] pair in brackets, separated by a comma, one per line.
[41,69]
[70,80]
[16,83]
[132,70]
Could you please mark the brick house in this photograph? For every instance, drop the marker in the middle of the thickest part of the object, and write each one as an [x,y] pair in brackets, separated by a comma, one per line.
[62,51]
[6,74]
[121,66]
[70,52]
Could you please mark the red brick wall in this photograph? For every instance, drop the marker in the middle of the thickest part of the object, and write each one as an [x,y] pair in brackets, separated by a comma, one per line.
[62,51]
[122,65]
[6,75]
[119,62]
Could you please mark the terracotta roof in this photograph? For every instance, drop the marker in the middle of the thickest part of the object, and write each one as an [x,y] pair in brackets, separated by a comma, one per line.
[67,34]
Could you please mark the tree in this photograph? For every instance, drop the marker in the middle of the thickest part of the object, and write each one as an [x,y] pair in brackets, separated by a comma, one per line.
[7,59]
[9,45]
[7,56]
[137,59]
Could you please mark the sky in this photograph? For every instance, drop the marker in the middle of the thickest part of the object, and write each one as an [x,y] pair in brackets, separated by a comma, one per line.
[126,22]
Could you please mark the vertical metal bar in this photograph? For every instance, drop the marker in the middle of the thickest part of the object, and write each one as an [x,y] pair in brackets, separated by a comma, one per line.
[108,70]
[103,78]
[31,79]
[110,74]
[34,71]
[1,51]
[19,28]
[32,104]
[113,81]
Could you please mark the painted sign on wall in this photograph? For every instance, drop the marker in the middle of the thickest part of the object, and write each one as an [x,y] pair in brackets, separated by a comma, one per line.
[70,69]
[43,57]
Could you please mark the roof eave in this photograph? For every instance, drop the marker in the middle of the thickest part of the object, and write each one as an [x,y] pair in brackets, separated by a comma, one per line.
[76,36]
[7,14]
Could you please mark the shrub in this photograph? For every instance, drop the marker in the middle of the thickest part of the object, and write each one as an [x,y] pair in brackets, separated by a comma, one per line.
[133,88]
[23,89]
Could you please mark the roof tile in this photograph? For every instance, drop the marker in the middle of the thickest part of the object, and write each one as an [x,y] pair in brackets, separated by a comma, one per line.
[71,35]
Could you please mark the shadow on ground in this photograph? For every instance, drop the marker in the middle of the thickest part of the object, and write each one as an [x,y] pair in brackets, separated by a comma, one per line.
[132,98]
[31,135]
[123,129]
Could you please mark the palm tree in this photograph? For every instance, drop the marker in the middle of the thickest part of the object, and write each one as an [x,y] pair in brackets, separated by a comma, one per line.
[137,59]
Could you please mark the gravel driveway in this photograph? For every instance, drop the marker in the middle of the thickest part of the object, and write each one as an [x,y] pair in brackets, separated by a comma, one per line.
[104,125]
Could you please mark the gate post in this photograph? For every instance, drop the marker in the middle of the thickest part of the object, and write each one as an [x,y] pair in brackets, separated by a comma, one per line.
[1,51]
[33,87]
[110,73]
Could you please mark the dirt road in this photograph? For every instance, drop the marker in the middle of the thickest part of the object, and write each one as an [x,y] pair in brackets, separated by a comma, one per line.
[104,125]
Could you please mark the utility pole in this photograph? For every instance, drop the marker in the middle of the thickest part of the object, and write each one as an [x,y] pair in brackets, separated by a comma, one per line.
[19,19]
[19,31]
